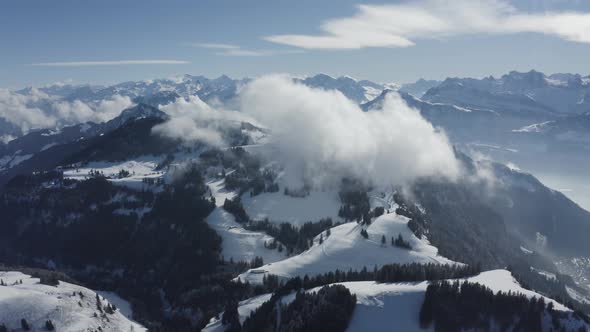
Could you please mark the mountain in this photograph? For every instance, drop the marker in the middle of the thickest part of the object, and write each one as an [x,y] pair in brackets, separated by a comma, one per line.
[185,230]
[43,149]
[59,105]
[572,129]
[68,307]
[400,304]
[419,88]
[531,94]
[358,91]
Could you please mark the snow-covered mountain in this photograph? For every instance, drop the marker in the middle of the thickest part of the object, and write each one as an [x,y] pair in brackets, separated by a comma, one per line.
[68,307]
[398,304]
[525,94]
[419,88]
[573,129]
[188,221]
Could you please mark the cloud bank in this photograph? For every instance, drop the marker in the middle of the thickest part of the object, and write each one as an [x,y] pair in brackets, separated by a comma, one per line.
[193,120]
[326,135]
[35,109]
[401,25]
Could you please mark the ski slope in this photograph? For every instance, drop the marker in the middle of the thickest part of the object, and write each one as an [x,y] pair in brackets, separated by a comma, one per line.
[237,243]
[61,304]
[347,249]
[382,306]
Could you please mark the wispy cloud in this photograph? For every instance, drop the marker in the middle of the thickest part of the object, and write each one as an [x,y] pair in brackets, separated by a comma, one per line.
[235,50]
[109,63]
[401,25]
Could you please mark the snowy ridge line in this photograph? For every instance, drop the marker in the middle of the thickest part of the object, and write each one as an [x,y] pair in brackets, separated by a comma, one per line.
[381,304]
[69,307]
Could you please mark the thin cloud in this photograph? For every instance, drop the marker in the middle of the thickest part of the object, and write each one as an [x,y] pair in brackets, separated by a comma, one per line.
[110,63]
[401,25]
[235,50]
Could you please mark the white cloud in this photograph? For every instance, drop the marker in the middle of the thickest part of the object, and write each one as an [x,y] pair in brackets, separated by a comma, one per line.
[78,111]
[235,50]
[110,63]
[34,109]
[320,135]
[327,136]
[193,120]
[24,110]
[401,25]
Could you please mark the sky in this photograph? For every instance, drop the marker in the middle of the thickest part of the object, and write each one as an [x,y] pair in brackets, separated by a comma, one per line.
[107,41]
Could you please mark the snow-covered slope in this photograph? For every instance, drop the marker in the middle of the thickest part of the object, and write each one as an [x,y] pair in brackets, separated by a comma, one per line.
[238,243]
[345,248]
[278,207]
[62,304]
[138,169]
[380,305]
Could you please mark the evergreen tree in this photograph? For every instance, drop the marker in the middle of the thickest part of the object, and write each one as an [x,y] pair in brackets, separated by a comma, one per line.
[49,325]
[25,325]
[231,318]
[383,240]
[98,303]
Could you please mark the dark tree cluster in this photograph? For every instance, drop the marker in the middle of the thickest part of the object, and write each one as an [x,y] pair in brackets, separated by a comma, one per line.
[297,193]
[390,273]
[295,239]
[460,306]
[400,242]
[235,207]
[328,309]
[264,182]
[170,247]
[355,206]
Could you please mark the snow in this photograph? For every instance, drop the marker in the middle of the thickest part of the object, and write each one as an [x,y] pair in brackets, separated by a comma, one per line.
[547,275]
[140,168]
[37,303]
[7,162]
[244,309]
[237,243]
[278,207]
[574,294]
[47,146]
[525,250]
[346,249]
[381,305]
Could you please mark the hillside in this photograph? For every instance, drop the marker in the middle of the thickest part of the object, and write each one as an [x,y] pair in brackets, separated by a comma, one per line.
[69,307]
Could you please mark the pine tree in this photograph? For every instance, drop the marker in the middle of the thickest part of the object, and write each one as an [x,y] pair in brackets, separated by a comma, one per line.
[49,325]
[383,240]
[25,325]
[231,318]
[321,238]
[98,303]
[3,328]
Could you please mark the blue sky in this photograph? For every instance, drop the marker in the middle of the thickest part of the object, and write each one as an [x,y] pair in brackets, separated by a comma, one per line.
[53,41]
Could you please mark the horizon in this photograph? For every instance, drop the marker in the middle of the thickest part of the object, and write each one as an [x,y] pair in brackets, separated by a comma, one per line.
[358,79]
[61,42]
